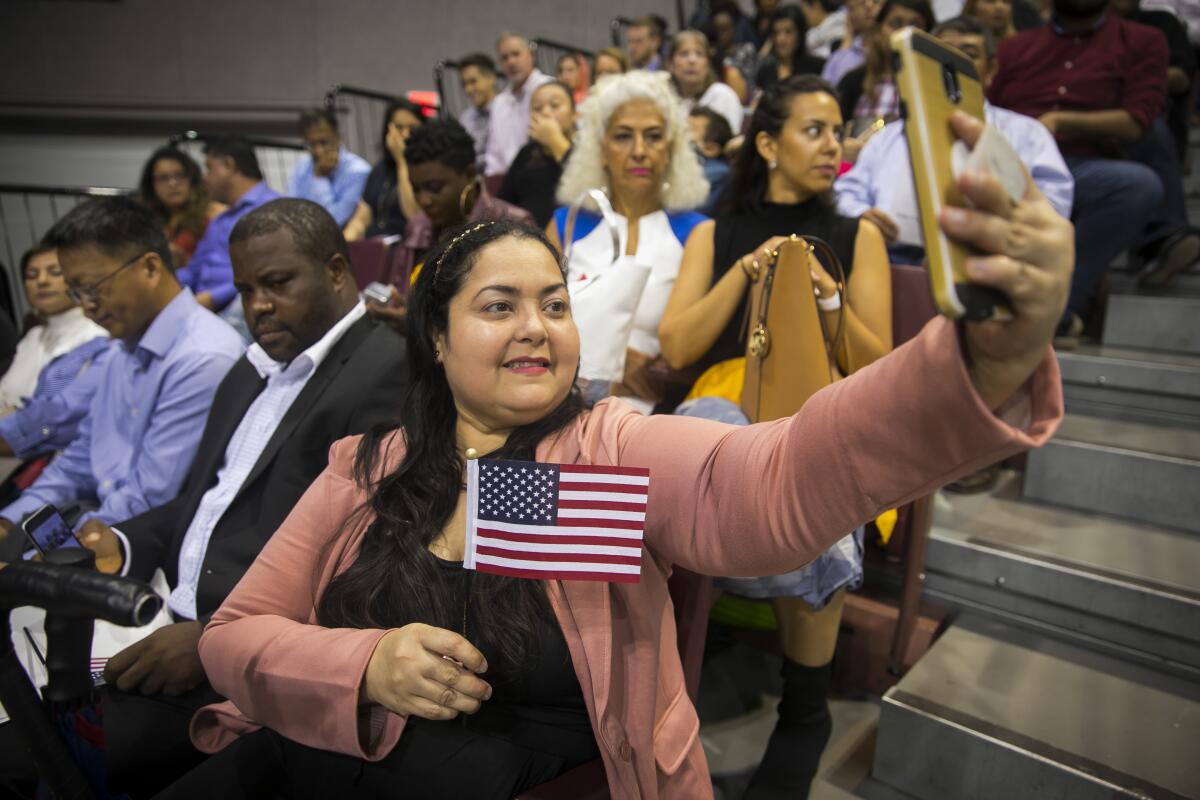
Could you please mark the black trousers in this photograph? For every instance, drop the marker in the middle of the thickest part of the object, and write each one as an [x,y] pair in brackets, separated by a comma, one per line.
[432,761]
[146,739]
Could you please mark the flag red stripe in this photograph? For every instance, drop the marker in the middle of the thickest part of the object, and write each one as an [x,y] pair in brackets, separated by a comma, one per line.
[558,558]
[550,574]
[580,522]
[602,505]
[536,538]
[584,469]
[568,485]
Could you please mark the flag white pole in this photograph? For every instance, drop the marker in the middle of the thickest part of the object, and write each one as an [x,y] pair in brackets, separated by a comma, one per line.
[472,511]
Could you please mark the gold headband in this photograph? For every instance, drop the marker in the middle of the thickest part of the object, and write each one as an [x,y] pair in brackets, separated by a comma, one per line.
[437,270]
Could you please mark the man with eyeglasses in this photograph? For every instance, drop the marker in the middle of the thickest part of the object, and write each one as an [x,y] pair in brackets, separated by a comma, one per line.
[330,175]
[153,393]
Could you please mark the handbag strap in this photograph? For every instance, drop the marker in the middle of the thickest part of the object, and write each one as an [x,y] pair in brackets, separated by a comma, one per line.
[607,214]
[818,247]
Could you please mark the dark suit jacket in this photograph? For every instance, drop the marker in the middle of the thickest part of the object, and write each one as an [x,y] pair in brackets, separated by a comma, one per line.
[359,384]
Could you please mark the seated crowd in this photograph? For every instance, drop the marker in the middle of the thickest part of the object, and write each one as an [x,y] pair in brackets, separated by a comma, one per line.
[305,496]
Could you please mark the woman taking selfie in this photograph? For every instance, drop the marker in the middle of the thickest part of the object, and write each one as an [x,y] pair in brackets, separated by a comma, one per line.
[780,185]
[345,649]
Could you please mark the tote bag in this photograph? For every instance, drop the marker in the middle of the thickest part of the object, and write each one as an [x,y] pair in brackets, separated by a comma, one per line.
[605,299]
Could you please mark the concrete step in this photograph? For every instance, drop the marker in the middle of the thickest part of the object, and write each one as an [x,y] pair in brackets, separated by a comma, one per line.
[1122,282]
[1134,385]
[1168,320]
[1131,589]
[1133,470]
[993,712]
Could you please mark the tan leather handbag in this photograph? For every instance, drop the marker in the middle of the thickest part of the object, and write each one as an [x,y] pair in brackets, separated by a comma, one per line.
[792,351]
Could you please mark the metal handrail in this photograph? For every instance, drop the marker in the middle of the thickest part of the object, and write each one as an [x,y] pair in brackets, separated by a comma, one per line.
[24,222]
[570,48]
[276,157]
[616,26]
[90,191]
[194,136]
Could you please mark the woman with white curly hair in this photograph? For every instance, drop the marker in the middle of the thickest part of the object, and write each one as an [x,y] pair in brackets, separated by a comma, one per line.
[633,145]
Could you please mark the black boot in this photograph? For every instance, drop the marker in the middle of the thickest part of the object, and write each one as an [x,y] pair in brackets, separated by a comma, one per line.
[790,763]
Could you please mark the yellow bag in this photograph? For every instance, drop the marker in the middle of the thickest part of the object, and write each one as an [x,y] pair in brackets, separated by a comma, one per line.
[723,379]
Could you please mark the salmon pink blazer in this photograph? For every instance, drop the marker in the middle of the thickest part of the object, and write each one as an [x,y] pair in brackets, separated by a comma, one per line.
[723,500]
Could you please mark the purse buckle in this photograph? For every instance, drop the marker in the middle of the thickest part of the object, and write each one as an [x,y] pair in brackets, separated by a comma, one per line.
[760,342]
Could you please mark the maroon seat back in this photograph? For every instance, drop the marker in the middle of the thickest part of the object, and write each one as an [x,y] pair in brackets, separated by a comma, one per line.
[912,303]
[371,259]
[493,183]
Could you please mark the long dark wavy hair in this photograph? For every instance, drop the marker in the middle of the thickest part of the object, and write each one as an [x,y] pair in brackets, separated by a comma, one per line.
[396,580]
[194,216]
[747,187]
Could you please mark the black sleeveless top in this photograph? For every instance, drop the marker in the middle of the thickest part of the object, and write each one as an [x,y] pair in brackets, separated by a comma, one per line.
[734,237]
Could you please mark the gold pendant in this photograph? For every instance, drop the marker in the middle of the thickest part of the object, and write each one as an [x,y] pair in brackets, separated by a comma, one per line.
[760,342]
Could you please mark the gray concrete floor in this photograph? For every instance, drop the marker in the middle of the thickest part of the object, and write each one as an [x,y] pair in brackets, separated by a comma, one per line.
[738,692]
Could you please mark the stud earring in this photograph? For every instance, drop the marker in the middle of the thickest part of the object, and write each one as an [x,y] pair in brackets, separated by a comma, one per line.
[772,164]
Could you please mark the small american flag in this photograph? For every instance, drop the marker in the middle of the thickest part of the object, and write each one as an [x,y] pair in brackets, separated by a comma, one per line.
[564,521]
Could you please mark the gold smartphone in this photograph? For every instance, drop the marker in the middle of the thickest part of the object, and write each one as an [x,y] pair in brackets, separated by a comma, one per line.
[934,81]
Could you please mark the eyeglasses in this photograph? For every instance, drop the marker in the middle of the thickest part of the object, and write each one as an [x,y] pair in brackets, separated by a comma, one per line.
[319,144]
[91,293]
[171,177]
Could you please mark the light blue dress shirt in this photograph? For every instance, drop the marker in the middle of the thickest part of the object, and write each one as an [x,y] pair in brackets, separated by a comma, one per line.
[210,269]
[882,176]
[339,191]
[136,445]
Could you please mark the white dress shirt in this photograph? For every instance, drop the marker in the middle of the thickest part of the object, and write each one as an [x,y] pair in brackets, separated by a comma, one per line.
[475,120]
[284,384]
[882,176]
[61,334]
[508,123]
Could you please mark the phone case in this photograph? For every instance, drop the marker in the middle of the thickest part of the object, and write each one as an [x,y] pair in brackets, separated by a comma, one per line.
[934,80]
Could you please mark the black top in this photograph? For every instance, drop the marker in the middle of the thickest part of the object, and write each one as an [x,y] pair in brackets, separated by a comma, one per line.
[535,724]
[531,182]
[380,194]
[768,71]
[734,237]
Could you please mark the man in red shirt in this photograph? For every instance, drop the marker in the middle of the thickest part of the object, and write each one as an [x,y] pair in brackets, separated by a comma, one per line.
[1098,83]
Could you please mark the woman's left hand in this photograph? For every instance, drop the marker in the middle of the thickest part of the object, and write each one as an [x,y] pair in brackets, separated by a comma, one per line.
[1030,257]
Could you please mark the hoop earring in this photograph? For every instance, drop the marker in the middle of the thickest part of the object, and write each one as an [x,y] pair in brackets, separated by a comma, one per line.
[462,199]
